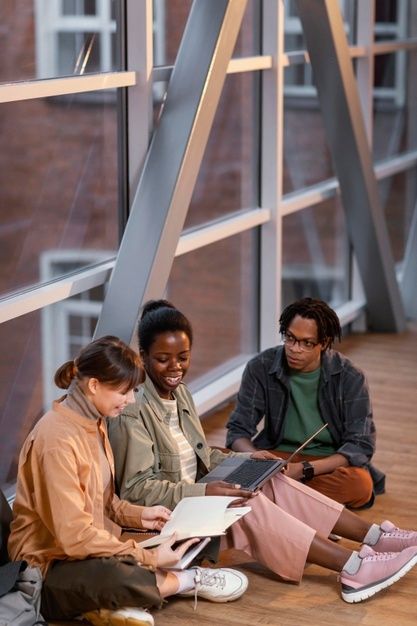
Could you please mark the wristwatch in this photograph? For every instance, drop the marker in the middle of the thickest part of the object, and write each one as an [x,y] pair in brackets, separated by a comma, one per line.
[308,471]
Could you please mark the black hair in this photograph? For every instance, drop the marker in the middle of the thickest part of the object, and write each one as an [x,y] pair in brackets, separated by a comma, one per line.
[328,324]
[161,316]
[109,359]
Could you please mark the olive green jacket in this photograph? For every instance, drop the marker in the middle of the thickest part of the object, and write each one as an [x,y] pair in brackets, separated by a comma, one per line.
[147,461]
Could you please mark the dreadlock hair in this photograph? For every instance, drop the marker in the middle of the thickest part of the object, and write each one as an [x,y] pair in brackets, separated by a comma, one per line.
[161,316]
[328,325]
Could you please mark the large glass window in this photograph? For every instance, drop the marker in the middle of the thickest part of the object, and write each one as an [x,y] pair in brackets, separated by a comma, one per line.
[315,254]
[398,198]
[220,300]
[395,104]
[228,177]
[294,38]
[36,345]
[58,186]
[53,38]
[170,18]
[306,156]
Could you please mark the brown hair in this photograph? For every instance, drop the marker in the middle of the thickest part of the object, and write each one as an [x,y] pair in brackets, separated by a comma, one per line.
[108,359]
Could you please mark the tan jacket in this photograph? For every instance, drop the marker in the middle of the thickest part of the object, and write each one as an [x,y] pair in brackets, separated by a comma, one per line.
[148,469]
[59,512]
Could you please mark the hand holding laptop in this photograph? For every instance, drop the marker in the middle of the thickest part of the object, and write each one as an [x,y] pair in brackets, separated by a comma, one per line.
[222,488]
[252,473]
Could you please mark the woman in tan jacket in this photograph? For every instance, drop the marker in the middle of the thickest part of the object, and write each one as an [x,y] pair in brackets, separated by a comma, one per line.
[68,520]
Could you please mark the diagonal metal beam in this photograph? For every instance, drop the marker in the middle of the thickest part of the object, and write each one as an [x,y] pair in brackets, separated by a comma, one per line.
[346,135]
[164,190]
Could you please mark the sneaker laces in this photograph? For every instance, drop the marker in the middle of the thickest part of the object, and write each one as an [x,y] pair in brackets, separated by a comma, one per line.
[396,532]
[204,577]
[371,556]
[380,556]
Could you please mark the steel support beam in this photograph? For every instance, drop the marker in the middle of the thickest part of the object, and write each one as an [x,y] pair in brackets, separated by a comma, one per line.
[171,167]
[347,138]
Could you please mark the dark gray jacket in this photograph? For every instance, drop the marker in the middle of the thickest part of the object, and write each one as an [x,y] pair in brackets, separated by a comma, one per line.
[343,398]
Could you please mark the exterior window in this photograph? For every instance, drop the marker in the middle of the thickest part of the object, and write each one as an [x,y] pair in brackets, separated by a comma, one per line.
[75,37]
[68,325]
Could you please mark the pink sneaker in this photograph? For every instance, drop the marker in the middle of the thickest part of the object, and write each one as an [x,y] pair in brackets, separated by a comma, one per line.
[394,539]
[377,570]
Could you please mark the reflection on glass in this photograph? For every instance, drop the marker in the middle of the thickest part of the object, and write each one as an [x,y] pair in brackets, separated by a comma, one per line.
[49,39]
[392,19]
[77,7]
[307,158]
[398,199]
[228,179]
[315,254]
[58,188]
[220,300]
[395,104]
[77,51]
[36,345]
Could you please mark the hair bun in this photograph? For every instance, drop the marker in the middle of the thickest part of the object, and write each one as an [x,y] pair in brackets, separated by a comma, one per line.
[154,305]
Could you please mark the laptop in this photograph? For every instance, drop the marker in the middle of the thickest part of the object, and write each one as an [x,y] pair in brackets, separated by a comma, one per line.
[251,474]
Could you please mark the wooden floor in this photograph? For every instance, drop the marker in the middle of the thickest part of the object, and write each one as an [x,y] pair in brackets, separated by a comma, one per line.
[390,362]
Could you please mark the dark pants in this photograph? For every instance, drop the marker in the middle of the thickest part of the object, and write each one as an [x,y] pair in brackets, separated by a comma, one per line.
[71,588]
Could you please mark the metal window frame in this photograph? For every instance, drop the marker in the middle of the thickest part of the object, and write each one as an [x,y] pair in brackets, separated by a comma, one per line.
[265,216]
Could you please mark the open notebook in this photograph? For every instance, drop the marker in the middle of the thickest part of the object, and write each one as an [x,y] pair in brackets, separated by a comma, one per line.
[251,474]
[198,516]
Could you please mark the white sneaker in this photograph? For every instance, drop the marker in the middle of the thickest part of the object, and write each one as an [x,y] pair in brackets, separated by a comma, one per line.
[218,585]
[129,616]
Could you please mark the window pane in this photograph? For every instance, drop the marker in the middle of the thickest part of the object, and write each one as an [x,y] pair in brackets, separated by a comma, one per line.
[294,38]
[220,300]
[315,254]
[58,187]
[170,18]
[307,158]
[39,42]
[36,345]
[78,53]
[228,177]
[395,104]
[80,7]
[393,18]
[398,198]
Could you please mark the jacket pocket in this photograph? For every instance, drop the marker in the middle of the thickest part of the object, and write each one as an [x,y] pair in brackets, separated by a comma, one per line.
[168,467]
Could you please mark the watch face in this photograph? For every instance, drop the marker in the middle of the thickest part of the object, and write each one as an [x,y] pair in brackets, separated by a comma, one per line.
[308,471]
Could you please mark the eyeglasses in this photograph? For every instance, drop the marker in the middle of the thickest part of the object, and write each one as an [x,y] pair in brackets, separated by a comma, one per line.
[306,345]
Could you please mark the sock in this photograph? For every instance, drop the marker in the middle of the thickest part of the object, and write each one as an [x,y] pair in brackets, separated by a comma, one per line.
[372,535]
[185,580]
[353,563]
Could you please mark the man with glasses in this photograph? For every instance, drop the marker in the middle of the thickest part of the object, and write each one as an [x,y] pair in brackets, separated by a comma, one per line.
[295,388]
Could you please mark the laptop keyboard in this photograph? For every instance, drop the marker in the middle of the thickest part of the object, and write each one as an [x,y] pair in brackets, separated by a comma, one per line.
[249,471]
